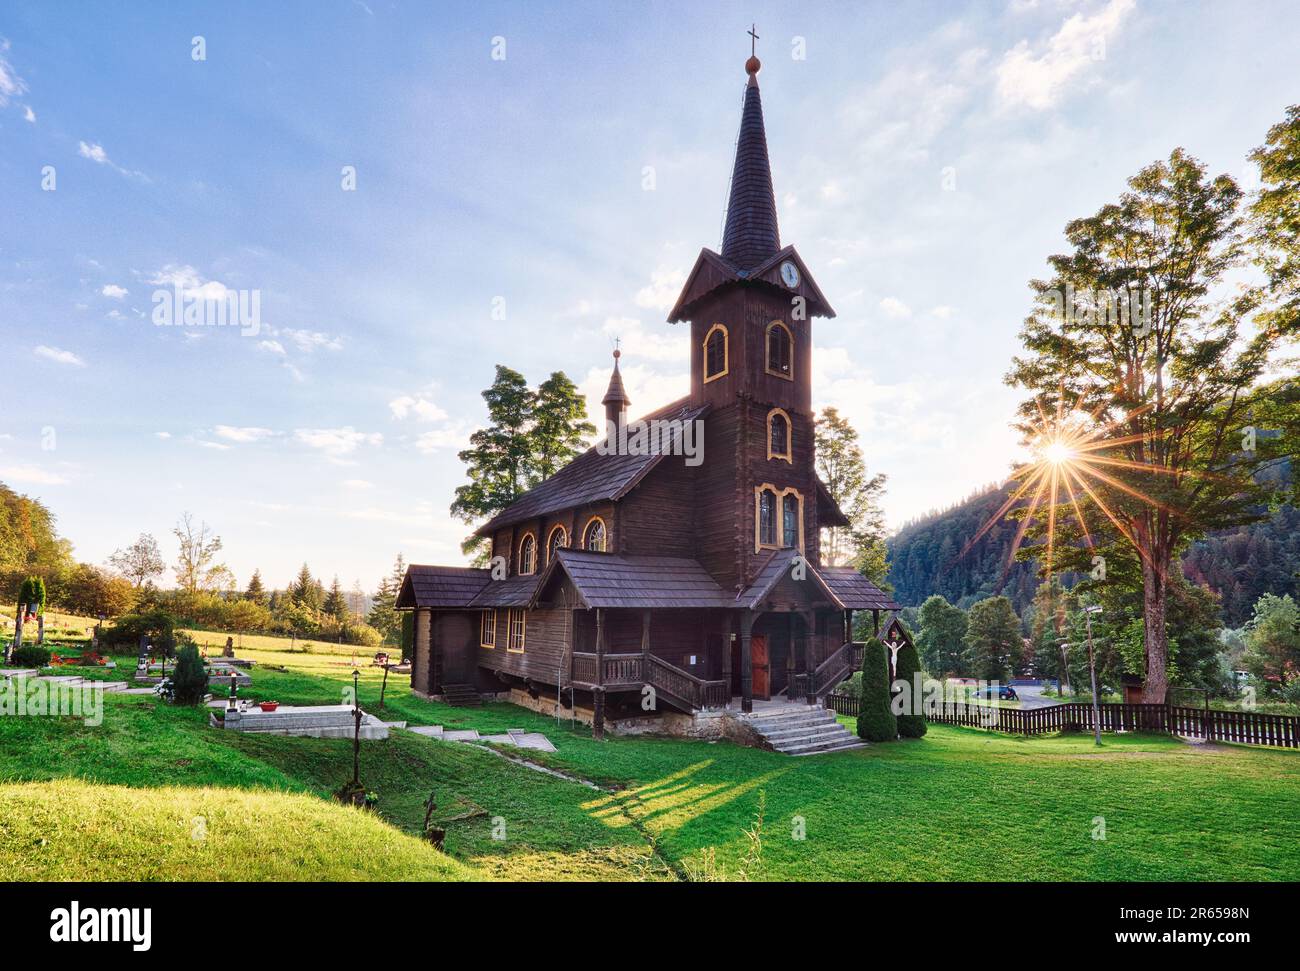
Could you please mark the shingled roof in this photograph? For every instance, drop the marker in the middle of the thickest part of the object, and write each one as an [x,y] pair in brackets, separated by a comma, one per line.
[591,477]
[855,591]
[440,586]
[617,580]
[750,235]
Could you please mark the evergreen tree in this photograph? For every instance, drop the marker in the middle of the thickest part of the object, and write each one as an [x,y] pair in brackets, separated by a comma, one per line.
[256,592]
[305,591]
[876,722]
[500,456]
[942,637]
[911,723]
[993,639]
[335,605]
[189,679]
[559,426]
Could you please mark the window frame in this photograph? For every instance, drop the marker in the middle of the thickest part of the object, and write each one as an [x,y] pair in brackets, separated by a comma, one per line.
[788,374]
[519,562]
[550,549]
[512,615]
[788,454]
[779,517]
[482,630]
[586,530]
[726,353]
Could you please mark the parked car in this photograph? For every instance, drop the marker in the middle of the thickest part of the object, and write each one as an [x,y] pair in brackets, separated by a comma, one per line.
[1003,692]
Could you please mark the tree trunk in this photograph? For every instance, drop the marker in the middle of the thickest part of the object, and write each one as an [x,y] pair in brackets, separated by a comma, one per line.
[1155,590]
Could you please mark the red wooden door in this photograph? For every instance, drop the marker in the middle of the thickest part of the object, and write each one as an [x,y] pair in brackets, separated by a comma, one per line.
[762,673]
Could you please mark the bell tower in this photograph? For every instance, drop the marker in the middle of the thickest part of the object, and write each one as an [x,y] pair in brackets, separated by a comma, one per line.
[750,308]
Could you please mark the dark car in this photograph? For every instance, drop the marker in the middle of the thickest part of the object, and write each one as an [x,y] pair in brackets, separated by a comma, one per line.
[1003,692]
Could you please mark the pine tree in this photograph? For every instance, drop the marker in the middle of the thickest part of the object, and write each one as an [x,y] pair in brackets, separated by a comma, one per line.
[942,637]
[993,640]
[305,590]
[256,592]
[335,605]
[559,426]
[911,724]
[876,722]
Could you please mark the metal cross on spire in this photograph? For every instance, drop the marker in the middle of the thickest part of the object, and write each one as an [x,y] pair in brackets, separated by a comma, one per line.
[753,40]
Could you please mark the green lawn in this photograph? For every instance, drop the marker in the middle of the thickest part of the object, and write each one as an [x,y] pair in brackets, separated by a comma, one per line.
[958,804]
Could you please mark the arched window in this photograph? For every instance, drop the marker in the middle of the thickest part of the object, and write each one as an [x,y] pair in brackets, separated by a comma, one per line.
[527,554]
[715,353]
[559,537]
[594,536]
[778,518]
[780,350]
[778,436]
[767,518]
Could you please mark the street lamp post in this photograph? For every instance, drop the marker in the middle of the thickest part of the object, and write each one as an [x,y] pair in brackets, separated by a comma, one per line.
[1092,673]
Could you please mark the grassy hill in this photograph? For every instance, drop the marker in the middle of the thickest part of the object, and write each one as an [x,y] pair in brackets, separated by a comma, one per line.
[74,830]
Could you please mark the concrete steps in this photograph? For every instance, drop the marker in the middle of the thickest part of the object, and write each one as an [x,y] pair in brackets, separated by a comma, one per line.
[802,730]
[462,695]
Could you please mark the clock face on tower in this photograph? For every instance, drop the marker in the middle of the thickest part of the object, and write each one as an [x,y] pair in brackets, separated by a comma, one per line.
[789,274]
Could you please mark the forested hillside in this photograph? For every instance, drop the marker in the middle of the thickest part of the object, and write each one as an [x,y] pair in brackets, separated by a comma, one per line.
[1239,564]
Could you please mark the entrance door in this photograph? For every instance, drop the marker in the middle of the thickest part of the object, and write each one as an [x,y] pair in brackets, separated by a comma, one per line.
[451,639]
[762,671]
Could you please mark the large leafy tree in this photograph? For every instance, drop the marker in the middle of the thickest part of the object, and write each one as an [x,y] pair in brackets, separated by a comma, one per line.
[1273,643]
[942,637]
[1276,221]
[196,567]
[993,640]
[559,426]
[843,470]
[140,562]
[1168,387]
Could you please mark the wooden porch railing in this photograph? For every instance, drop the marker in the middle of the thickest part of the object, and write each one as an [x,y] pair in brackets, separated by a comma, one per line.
[683,687]
[838,665]
[618,670]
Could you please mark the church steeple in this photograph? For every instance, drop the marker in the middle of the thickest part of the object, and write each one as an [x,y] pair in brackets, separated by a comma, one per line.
[750,235]
[616,400]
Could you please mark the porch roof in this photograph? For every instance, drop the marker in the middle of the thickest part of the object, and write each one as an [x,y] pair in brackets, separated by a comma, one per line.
[844,586]
[440,586]
[855,591]
[515,591]
[617,580]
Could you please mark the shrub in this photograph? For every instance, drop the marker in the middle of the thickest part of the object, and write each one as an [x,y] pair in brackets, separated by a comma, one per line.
[158,625]
[30,656]
[876,723]
[189,679]
[911,724]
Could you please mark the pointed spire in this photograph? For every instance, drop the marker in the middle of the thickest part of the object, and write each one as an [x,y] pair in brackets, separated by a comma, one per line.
[616,399]
[751,235]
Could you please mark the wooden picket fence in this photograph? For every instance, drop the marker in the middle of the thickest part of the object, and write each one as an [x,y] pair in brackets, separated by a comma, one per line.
[1246,727]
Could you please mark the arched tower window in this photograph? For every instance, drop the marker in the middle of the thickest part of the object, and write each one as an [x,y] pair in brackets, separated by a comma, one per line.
[716,353]
[595,537]
[528,554]
[767,518]
[778,517]
[779,439]
[559,537]
[780,350]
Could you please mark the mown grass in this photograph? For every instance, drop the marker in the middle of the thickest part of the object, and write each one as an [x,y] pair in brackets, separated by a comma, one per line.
[958,804]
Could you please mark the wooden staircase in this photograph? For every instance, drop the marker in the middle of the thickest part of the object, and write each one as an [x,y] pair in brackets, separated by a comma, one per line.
[462,695]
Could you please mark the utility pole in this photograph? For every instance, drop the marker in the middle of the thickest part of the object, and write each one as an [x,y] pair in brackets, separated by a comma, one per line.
[1092,672]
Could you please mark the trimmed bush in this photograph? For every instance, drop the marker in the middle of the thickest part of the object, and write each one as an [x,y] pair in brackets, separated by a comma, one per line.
[911,724]
[876,723]
[30,656]
[190,679]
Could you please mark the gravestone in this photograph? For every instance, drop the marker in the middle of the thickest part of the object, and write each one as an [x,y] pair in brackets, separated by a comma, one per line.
[230,648]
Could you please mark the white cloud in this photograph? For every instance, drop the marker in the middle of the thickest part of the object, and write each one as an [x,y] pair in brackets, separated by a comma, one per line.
[113,291]
[271,347]
[453,438]
[94,151]
[28,114]
[217,446]
[417,406]
[31,475]
[1038,76]
[943,311]
[310,340]
[11,85]
[232,433]
[661,293]
[336,441]
[59,356]
[893,307]
[163,435]
[357,484]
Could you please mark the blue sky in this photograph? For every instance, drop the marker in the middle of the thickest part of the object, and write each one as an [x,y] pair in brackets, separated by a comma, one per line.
[926,158]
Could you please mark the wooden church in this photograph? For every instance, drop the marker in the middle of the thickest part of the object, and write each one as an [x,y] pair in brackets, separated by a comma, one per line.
[698,586]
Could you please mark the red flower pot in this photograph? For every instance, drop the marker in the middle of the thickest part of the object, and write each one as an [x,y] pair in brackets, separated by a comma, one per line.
[269,705]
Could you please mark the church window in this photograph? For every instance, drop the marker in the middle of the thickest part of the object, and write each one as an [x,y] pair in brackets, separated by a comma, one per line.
[527,554]
[778,518]
[780,353]
[715,353]
[767,518]
[559,537]
[790,519]
[594,537]
[488,630]
[515,627]
[778,435]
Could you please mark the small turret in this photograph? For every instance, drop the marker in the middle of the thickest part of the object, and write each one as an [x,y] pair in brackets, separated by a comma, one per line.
[616,399]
